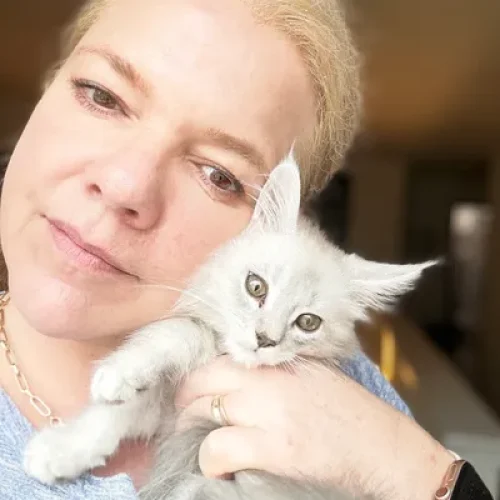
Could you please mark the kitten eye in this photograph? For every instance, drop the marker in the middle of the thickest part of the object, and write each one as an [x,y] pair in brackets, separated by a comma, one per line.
[256,286]
[308,322]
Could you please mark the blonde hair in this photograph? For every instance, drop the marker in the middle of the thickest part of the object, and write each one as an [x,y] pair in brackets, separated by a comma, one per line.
[319,31]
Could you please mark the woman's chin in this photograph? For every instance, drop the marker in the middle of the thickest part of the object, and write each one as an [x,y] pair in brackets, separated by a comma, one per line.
[57,309]
[53,308]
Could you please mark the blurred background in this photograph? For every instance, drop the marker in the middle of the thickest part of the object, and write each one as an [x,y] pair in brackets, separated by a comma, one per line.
[422,181]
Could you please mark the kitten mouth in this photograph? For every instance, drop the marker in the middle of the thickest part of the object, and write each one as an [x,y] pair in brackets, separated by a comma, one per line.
[247,357]
[271,357]
[261,356]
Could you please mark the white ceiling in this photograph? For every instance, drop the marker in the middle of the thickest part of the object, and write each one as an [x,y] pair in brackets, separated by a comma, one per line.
[432,66]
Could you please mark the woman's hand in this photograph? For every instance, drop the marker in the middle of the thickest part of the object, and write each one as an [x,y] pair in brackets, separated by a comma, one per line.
[312,423]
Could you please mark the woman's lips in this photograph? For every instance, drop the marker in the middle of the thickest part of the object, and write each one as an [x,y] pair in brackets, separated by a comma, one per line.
[68,240]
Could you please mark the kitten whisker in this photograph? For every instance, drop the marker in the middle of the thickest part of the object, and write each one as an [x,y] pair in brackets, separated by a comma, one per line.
[252,186]
[257,187]
[191,293]
[288,366]
[305,364]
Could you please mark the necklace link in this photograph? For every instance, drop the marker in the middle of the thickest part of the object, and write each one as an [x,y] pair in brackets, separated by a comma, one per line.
[22,383]
[40,406]
[36,402]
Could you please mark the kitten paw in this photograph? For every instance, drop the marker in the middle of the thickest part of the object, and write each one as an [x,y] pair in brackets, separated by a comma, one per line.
[111,385]
[54,454]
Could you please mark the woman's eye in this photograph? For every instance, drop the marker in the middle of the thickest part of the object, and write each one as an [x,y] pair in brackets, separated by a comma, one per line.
[103,98]
[221,180]
[96,98]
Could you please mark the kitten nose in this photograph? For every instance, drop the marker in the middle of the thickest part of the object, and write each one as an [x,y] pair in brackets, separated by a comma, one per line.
[264,341]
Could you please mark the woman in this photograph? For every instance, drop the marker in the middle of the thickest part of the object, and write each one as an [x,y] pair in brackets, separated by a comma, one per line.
[135,164]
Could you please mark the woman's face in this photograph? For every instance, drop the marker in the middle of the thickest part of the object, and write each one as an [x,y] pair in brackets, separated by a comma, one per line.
[137,161]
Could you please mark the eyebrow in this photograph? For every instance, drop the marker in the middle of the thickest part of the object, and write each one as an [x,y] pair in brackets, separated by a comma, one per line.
[241,147]
[127,71]
[121,66]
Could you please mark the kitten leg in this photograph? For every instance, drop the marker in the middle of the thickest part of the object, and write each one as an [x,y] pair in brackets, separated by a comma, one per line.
[133,376]
[176,474]
[168,348]
[83,443]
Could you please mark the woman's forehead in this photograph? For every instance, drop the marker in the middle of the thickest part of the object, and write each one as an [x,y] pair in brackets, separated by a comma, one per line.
[210,56]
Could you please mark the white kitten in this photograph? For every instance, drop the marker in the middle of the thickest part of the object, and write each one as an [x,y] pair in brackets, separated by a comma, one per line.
[278,292]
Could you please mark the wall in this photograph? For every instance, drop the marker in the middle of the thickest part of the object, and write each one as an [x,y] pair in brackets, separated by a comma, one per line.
[491,341]
[376,226]
[14,112]
[377,231]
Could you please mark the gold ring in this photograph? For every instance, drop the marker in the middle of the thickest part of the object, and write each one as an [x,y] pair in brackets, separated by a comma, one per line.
[218,412]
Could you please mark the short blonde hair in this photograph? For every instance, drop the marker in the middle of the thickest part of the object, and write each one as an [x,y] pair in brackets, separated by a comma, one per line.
[318,29]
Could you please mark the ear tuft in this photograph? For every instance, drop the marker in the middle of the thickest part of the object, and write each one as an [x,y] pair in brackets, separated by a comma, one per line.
[377,286]
[278,206]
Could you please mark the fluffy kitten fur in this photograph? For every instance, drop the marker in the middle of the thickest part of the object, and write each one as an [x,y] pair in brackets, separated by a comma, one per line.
[301,273]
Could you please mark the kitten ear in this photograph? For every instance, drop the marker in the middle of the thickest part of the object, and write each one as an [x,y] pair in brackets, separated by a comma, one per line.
[377,286]
[278,205]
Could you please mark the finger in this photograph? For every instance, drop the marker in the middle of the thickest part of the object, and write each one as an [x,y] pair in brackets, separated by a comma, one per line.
[220,377]
[236,408]
[230,449]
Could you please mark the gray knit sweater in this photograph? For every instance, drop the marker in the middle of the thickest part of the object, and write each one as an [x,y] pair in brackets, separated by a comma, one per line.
[15,431]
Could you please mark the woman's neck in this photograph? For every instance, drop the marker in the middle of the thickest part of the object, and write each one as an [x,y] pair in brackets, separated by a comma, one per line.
[58,371]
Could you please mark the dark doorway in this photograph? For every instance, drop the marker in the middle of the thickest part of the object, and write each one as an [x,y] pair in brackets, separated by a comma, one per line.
[448,217]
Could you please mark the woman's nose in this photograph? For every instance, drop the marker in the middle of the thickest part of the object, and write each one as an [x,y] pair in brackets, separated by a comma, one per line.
[130,184]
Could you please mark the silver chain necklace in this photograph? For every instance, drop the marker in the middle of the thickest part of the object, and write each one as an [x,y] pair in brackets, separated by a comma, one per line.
[38,404]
